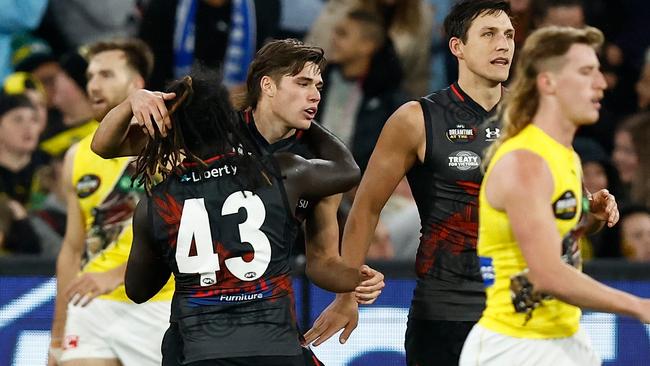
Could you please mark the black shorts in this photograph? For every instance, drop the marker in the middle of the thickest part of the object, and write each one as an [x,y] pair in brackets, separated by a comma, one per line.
[172,349]
[435,342]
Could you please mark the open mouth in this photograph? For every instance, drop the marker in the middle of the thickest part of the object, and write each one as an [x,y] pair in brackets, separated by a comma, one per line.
[500,61]
[311,112]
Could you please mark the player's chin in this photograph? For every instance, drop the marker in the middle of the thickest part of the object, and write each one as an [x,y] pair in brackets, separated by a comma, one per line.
[303,124]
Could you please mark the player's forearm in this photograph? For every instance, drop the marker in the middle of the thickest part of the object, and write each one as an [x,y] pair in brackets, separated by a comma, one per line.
[332,274]
[67,267]
[114,137]
[358,232]
[576,288]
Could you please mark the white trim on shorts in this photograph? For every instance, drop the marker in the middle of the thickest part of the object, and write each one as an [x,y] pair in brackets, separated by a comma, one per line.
[484,347]
[121,330]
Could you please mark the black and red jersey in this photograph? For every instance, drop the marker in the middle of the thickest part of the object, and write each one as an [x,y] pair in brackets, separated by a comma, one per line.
[229,250]
[445,187]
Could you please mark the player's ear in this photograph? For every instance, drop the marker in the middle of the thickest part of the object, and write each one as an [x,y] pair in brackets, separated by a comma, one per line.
[456,47]
[546,83]
[267,85]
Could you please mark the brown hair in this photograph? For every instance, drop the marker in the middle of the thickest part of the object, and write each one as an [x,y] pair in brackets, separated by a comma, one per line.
[138,54]
[277,59]
[543,49]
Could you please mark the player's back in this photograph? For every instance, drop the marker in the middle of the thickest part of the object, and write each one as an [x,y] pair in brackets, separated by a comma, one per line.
[228,248]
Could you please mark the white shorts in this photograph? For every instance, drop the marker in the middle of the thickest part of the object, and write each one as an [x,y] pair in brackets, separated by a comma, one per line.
[486,348]
[110,329]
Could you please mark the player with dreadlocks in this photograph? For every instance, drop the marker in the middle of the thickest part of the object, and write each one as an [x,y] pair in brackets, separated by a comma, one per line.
[222,221]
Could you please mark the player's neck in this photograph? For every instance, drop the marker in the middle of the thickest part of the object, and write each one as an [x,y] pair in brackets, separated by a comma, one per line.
[550,119]
[14,161]
[484,92]
[269,125]
[355,70]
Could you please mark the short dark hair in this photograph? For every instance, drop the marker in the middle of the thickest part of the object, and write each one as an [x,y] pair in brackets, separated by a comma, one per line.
[138,54]
[462,15]
[13,101]
[277,59]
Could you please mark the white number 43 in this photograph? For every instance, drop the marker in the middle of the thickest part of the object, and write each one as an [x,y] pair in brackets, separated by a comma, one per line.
[196,224]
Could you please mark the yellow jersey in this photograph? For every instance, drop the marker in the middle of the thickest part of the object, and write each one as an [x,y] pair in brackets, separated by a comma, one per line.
[509,310]
[58,144]
[107,200]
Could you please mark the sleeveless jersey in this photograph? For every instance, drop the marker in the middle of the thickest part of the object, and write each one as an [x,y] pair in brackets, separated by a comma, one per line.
[229,251]
[445,187]
[107,202]
[509,310]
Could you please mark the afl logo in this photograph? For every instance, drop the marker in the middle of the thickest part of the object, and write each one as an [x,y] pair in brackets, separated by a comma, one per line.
[250,275]
[464,160]
[87,185]
[208,281]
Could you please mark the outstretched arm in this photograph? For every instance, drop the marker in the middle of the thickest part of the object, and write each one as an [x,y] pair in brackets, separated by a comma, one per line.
[400,144]
[118,136]
[146,271]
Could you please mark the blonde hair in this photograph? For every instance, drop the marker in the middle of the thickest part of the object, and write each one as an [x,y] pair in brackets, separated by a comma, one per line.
[543,50]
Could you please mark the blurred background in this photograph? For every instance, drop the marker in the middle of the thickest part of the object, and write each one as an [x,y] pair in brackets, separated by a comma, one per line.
[44,108]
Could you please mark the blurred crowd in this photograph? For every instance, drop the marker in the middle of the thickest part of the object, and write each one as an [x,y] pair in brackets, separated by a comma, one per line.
[381,53]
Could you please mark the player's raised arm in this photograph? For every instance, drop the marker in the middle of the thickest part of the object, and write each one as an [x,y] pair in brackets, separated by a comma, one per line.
[119,135]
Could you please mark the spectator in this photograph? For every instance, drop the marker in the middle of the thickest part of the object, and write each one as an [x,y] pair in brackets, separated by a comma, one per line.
[635,233]
[19,157]
[361,84]
[70,99]
[34,55]
[25,83]
[640,135]
[167,24]
[409,24]
[627,157]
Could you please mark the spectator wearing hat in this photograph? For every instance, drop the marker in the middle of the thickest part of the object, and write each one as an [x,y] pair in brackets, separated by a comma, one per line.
[34,55]
[16,17]
[70,99]
[21,82]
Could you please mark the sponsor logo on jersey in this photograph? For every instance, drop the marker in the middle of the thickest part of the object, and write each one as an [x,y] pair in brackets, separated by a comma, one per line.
[566,206]
[464,160]
[197,176]
[241,297]
[492,134]
[87,185]
[461,134]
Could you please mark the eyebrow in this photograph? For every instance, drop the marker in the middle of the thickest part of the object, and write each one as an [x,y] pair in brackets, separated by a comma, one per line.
[496,29]
[308,79]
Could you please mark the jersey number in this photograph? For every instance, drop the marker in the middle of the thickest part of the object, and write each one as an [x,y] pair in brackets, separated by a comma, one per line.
[196,224]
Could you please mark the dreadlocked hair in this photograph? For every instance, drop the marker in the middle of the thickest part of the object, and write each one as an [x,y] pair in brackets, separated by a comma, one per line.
[204,125]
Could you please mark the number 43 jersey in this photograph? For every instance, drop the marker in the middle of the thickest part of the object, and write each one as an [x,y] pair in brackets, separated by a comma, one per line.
[229,250]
